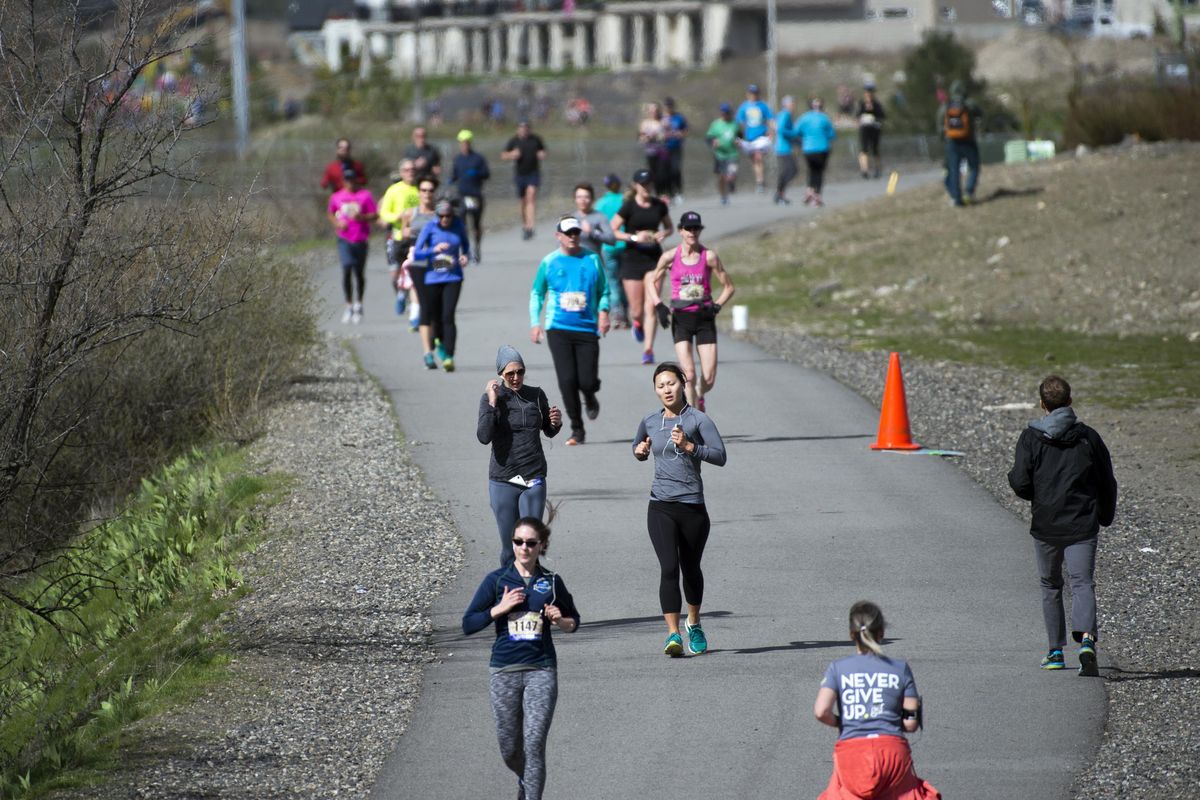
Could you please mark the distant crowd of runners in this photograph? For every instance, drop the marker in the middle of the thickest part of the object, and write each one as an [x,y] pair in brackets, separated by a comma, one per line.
[611,268]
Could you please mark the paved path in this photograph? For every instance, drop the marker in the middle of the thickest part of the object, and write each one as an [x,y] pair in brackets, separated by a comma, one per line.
[806,520]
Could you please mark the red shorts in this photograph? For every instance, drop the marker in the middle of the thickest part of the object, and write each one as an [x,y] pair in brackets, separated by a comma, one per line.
[878,768]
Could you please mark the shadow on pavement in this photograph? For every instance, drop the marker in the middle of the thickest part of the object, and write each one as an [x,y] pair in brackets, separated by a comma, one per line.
[1118,674]
[815,644]
[749,439]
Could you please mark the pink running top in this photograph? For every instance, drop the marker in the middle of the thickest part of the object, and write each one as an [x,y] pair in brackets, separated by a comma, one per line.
[691,286]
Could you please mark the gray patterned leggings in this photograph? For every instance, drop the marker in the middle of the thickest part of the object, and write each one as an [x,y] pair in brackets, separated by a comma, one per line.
[523,704]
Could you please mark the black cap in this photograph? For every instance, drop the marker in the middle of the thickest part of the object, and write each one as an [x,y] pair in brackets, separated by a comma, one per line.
[612,181]
[642,176]
[690,219]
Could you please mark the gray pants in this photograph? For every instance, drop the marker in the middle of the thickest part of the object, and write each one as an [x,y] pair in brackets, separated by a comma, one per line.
[509,503]
[1080,559]
[523,704]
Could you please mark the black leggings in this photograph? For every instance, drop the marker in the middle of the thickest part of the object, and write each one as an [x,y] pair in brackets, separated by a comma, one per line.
[678,532]
[577,364]
[437,309]
[787,172]
[816,170]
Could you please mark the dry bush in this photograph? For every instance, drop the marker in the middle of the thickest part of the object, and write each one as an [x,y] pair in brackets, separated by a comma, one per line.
[1107,113]
[133,308]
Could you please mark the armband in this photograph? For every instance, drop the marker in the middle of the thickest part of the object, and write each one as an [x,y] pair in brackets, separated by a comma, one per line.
[909,713]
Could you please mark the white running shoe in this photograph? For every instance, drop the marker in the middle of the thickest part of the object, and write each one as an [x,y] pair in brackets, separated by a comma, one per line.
[347,315]
[356,313]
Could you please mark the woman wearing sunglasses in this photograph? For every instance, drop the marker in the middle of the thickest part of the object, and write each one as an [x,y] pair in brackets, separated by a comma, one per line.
[523,602]
[512,417]
[680,438]
[412,222]
[443,243]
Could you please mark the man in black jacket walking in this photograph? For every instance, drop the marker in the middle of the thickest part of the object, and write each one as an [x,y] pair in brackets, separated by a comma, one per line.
[1064,469]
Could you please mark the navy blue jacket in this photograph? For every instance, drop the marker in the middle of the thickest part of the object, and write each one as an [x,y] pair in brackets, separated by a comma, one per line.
[469,172]
[547,588]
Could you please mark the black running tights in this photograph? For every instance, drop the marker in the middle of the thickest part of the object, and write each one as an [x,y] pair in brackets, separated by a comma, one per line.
[577,364]
[816,169]
[678,532]
[438,304]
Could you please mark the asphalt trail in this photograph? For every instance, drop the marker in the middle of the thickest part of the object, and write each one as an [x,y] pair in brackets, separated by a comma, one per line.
[806,520]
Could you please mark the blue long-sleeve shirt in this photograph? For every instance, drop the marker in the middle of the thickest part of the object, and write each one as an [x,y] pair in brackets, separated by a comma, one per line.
[786,133]
[469,172]
[816,132]
[572,290]
[676,473]
[523,635]
[430,237]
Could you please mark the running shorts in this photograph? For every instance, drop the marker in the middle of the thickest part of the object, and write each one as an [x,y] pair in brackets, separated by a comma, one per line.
[725,166]
[700,325]
[760,145]
[868,139]
[525,181]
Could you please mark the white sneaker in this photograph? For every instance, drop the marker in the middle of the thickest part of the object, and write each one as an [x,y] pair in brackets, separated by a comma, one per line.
[356,314]
[347,315]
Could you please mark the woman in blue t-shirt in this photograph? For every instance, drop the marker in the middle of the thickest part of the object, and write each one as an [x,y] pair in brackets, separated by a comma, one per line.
[872,700]
[524,602]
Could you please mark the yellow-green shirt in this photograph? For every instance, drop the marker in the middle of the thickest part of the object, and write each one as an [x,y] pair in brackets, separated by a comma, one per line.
[398,198]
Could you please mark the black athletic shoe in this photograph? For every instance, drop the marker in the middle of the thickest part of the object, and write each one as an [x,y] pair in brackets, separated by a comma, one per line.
[592,407]
[1088,667]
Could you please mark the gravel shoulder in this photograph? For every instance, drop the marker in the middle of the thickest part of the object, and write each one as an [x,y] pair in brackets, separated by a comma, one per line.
[329,646]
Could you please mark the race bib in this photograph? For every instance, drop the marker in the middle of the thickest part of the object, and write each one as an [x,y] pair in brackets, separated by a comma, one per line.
[691,291]
[443,263]
[348,210]
[866,119]
[525,626]
[572,301]
[470,203]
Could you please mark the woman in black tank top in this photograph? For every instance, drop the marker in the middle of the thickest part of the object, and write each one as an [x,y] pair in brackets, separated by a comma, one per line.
[642,222]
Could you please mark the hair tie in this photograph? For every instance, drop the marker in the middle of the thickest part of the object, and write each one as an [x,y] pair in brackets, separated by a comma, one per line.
[862,628]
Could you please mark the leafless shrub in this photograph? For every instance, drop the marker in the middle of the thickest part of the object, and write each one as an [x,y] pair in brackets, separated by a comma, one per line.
[133,308]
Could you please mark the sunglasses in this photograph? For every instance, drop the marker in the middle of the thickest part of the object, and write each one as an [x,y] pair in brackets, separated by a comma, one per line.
[526,542]
[425,191]
[572,232]
[516,373]
[693,228]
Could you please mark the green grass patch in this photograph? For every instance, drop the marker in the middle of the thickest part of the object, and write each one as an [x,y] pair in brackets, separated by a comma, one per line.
[126,625]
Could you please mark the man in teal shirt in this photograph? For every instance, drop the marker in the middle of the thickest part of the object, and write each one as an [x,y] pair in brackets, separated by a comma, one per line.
[570,288]
[610,254]
[722,137]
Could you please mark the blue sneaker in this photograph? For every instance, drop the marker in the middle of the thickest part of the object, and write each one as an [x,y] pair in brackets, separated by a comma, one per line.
[639,334]
[697,641]
[1053,660]
[674,646]
[401,302]
[429,362]
[1088,667]
[441,351]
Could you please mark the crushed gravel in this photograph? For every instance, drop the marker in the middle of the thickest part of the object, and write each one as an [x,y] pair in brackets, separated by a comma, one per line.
[330,645]
[1148,572]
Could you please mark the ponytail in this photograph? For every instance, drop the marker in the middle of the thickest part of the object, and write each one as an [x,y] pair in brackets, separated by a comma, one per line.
[867,626]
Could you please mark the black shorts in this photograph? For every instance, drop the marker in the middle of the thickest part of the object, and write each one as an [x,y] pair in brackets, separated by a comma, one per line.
[700,325]
[636,262]
[868,139]
[397,251]
[525,181]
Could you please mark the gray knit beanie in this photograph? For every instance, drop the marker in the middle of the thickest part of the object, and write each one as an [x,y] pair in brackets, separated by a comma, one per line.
[506,355]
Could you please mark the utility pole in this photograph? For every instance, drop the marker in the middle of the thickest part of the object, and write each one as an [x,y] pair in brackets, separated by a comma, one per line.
[418,84]
[772,57]
[240,77]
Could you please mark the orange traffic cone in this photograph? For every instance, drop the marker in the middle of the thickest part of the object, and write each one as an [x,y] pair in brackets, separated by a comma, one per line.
[894,433]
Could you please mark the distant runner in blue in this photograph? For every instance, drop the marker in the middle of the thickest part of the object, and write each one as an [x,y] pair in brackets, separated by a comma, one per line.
[756,120]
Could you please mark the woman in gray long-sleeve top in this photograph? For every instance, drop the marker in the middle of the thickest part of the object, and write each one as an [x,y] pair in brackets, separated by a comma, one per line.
[680,438]
[512,418]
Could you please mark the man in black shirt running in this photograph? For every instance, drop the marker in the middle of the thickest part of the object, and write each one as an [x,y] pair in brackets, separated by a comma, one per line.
[526,150]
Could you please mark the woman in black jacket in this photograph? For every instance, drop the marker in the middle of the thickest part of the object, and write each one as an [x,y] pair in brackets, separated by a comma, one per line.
[512,417]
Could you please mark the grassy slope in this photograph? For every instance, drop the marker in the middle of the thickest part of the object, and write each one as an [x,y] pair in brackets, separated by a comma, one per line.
[1084,263]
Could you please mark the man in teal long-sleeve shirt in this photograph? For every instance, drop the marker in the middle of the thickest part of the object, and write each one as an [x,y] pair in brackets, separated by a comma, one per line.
[570,289]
